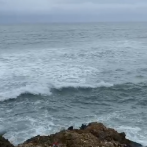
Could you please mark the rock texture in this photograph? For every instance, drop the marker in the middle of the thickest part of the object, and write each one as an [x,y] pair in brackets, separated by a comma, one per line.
[91,135]
[4,142]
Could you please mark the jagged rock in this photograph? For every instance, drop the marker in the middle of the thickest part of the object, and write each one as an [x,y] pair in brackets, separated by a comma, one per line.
[4,142]
[70,128]
[92,135]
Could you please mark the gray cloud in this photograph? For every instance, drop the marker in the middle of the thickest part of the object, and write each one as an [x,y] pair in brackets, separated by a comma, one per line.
[75,10]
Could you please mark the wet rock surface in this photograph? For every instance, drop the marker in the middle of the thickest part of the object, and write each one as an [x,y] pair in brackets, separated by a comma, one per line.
[91,135]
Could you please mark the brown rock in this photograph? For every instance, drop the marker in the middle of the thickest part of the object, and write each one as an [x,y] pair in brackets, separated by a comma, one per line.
[93,135]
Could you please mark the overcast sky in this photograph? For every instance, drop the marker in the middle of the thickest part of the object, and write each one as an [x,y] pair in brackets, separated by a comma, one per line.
[72,10]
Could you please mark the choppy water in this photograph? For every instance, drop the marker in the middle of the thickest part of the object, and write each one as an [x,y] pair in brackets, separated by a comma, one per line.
[54,76]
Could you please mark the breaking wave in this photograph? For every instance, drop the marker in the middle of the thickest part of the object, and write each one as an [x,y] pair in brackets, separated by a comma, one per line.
[46,90]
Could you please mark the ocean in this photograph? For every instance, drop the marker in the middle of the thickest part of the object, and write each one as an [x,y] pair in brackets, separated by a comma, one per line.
[53,76]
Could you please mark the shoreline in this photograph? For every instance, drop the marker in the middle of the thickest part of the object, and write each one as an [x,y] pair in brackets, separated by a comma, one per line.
[92,135]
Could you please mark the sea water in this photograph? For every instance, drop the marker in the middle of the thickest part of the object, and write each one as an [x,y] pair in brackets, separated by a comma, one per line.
[56,75]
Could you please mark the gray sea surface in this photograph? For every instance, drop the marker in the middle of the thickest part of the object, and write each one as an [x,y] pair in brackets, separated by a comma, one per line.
[56,75]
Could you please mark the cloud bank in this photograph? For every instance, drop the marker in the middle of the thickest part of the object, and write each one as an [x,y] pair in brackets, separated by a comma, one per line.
[72,10]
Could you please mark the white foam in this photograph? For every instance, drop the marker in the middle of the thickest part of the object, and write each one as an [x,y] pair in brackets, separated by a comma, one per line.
[42,125]
[45,89]
[33,89]
[35,72]
[134,133]
[77,85]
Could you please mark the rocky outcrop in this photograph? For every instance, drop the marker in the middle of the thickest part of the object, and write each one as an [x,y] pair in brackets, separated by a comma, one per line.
[4,142]
[91,135]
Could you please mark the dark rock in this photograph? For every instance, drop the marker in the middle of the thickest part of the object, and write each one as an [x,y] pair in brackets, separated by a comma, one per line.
[83,127]
[4,142]
[135,144]
[70,128]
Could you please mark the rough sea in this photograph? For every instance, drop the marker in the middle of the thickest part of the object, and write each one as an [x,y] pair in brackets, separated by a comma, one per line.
[53,76]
